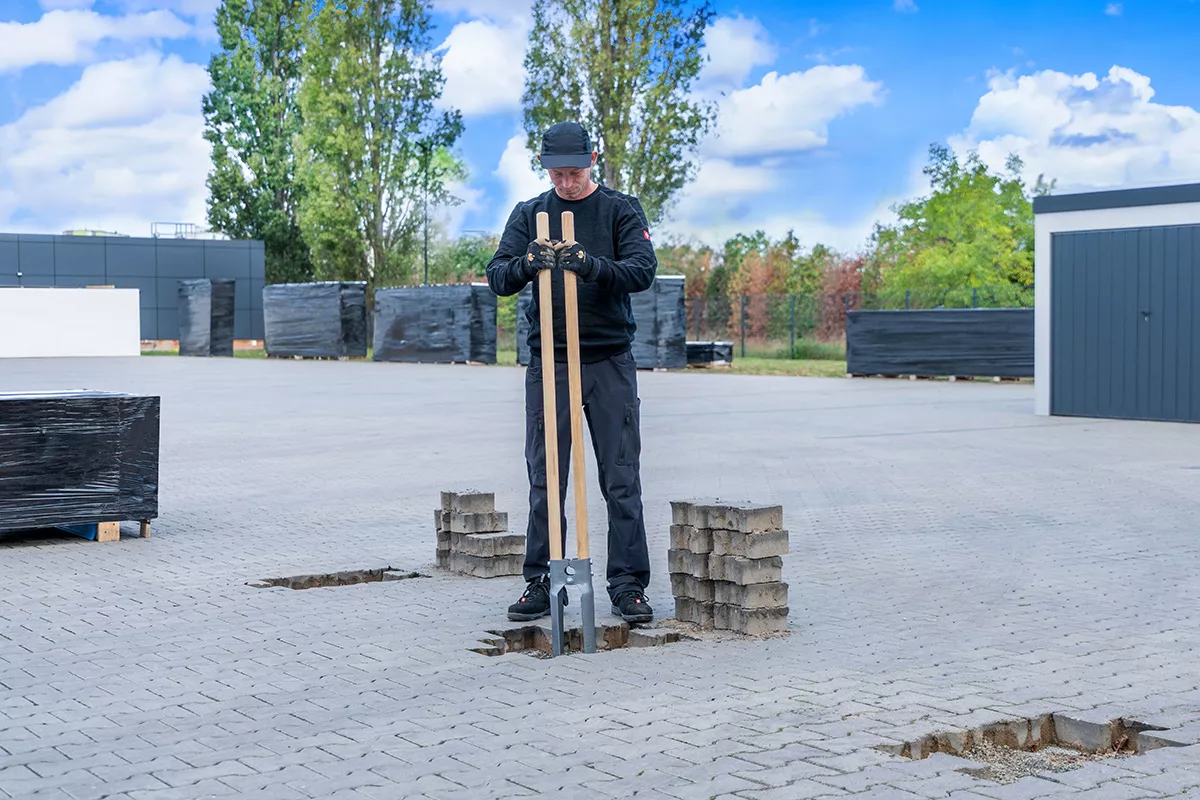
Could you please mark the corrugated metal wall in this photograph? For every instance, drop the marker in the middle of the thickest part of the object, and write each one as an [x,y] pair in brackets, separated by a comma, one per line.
[1125,338]
[153,266]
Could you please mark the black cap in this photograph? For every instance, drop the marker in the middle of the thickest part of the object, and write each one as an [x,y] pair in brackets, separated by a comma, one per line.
[566,144]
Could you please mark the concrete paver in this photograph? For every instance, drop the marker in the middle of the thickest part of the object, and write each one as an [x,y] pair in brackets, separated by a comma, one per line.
[954,561]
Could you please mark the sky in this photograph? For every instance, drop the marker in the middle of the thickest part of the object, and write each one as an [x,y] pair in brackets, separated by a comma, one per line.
[826,109]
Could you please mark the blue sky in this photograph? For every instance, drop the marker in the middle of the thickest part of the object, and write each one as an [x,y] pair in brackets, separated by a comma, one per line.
[827,113]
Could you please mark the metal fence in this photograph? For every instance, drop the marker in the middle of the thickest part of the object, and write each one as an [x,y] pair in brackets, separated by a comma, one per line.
[800,325]
[814,325]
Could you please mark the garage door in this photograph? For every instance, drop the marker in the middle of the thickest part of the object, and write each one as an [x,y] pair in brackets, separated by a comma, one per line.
[1125,337]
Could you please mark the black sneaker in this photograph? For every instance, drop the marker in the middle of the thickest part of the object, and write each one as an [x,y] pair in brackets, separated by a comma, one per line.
[534,602]
[631,605]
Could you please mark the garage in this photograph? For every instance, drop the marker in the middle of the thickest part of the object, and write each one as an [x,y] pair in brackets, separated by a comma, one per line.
[1117,297]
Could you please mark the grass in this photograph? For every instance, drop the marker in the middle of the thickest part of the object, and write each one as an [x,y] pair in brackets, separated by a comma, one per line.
[750,365]
[798,367]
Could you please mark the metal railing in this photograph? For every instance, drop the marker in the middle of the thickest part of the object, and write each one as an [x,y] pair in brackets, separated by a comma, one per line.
[805,325]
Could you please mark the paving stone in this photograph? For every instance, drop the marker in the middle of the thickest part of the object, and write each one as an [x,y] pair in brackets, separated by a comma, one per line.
[744,571]
[488,545]
[694,611]
[469,502]
[691,539]
[754,595]
[685,562]
[744,517]
[486,567]
[933,600]
[753,622]
[750,545]
[686,585]
[487,522]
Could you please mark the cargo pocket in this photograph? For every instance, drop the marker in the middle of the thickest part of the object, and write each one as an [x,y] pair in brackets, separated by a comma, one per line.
[630,452]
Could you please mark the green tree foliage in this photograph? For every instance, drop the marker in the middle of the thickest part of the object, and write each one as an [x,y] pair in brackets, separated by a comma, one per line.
[974,229]
[624,69]
[251,117]
[373,144]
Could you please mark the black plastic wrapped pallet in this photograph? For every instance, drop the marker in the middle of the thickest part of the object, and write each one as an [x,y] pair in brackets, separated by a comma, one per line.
[710,352]
[485,307]
[436,324]
[524,300]
[206,308]
[316,320]
[659,312]
[982,342]
[645,338]
[671,320]
[78,457]
[354,319]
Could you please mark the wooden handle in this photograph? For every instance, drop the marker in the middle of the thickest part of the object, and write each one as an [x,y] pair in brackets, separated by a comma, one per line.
[575,387]
[549,402]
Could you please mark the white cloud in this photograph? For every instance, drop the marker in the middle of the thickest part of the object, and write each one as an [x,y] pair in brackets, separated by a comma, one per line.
[1114,9]
[520,181]
[1087,132]
[203,13]
[118,150]
[483,66]
[905,6]
[68,37]
[734,47]
[789,113]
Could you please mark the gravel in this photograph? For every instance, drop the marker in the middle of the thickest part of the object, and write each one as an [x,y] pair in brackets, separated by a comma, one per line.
[1005,765]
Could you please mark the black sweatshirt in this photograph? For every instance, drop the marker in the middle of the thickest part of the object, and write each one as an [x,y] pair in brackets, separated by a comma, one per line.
[612,228]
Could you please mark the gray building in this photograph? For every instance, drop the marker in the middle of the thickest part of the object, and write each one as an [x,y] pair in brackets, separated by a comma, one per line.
[154,266]
[1117,296]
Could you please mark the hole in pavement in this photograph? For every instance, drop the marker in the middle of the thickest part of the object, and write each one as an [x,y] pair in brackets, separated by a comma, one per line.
[535,639]
[1014,749]
[346,578]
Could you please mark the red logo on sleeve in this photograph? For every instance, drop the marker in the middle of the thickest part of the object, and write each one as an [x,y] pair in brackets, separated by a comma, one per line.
[646,234]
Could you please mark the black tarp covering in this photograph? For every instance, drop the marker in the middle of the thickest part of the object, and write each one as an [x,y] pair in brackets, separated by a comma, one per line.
[77,457]
[980,342]
[436,324]
[524,300]
[670,315]
[206,317]
[661,317]
[316,320]
[710,352]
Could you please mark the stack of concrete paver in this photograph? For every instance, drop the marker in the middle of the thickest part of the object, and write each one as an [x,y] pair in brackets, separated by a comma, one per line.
[473,537]
[726,566]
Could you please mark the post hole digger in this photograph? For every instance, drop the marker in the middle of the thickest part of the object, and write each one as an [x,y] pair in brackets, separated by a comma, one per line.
[576,571]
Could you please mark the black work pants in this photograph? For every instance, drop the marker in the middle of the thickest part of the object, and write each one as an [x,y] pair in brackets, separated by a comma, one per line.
[612,409]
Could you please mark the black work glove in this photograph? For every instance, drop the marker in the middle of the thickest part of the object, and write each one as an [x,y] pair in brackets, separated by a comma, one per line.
[574,258]
[537,258]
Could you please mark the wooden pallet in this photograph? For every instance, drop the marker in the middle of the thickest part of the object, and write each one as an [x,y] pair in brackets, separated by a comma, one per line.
[103,531]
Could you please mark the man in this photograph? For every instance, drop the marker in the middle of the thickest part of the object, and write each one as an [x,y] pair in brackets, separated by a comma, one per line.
[612,257]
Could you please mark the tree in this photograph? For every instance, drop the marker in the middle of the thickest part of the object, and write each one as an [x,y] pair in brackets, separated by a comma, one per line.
[373,147]
[251,117]
[974,229]
[623,69]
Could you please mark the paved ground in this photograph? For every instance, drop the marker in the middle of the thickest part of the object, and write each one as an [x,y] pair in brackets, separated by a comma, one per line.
[955,561]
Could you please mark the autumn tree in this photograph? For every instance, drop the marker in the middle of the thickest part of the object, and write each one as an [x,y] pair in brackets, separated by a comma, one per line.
[624,69]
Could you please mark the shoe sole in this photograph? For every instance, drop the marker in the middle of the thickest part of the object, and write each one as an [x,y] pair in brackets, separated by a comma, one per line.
[632,617]
[515,617]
